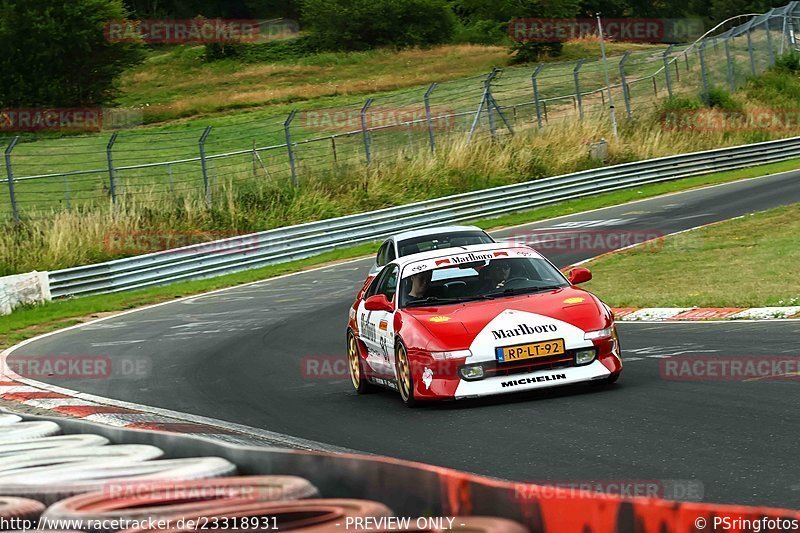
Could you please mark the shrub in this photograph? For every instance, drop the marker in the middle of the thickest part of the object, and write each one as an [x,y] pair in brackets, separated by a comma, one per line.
[363,24]
[56,54]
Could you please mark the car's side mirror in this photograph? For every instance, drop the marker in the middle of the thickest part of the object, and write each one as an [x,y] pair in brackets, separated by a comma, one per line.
[579,275]
[379,302]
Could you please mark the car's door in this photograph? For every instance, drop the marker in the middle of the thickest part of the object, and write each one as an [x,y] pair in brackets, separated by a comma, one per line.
[375,328]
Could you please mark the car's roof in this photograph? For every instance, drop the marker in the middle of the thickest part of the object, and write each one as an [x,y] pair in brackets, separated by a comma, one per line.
[459,250]
[431,231]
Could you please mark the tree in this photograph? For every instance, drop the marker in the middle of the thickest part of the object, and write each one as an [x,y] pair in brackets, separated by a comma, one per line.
[55,53]
[362,24]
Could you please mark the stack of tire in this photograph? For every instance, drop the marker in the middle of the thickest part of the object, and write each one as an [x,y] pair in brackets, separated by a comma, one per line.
[64,482]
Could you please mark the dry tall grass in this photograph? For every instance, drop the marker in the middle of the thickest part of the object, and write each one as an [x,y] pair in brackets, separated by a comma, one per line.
[62,239]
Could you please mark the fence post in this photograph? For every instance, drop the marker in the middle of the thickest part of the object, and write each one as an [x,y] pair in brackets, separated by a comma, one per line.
[771,52]
[750,51]
[665,59]
[536,93]
[625,93]
[575,76]
[484,101]
[783,34]
[489,111]
[289,148]
[428,116]
[10,177]
[202,143]
[731,80]
[703,66]
[111,181]
[364,130]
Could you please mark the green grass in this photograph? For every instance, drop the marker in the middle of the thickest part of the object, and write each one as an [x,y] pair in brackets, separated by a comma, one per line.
[30,321]
[746,262]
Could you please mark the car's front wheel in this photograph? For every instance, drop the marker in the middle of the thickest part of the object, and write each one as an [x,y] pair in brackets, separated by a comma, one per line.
[405,379]
[356,366]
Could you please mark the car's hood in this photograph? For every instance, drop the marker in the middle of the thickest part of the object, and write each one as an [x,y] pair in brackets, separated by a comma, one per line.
[457,326]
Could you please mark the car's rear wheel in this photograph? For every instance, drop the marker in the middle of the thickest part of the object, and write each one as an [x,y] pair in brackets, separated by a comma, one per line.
[405,379]
[356,366]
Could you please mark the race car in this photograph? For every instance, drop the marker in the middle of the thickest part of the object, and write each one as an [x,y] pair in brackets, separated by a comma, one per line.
[423,240]
[475,321]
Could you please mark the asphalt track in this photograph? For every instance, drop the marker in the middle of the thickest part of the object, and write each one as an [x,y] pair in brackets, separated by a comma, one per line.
[241,355]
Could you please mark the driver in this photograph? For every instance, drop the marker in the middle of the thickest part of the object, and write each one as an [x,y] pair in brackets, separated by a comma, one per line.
[420,283]
[498,273]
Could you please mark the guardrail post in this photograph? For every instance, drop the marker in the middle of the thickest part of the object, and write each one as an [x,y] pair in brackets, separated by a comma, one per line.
[665,59]
[703,66]
[112,183]
[289,147]
[10,177]
[203,164]
[625,93]
[771,52]
[428,120]
[731,79]
[750,52]
[536,93]
[575,77]
[364,130]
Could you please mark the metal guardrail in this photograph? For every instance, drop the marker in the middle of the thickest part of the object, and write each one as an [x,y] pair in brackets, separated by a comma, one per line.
[304,240]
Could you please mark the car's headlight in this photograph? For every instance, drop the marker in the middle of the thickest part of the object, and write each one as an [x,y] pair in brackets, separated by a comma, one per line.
[599,334]
[584,356]
[455,354]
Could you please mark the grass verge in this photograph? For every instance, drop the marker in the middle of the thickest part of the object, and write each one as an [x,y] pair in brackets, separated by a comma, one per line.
[745,262]
[30,321]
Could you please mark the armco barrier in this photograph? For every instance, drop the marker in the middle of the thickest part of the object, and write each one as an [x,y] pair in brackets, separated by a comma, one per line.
[414,489]
[305,240]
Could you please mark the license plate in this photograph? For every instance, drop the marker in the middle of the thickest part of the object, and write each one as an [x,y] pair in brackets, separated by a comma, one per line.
[510,354]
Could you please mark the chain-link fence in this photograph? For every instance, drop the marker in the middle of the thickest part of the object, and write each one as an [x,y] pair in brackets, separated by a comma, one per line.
[85,172]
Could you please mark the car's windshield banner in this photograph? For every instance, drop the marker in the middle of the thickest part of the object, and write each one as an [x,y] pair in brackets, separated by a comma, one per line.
[455,260]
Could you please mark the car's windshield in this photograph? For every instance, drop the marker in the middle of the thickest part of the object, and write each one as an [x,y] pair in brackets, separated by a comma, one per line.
[465,277]
[440,241]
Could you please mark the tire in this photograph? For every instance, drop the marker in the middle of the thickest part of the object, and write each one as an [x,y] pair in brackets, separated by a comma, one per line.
[311,516]
[21,508]
[22,463]
[7,420]
[356,366]
[405,377]
[61,442]
[161,500]
[27,430]
[613,378]
[49,484]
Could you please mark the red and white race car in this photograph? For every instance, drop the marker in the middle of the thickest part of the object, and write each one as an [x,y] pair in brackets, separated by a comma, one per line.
[476,321]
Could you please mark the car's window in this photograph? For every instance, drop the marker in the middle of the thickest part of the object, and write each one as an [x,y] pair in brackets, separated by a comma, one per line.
[442,241]
[390,255]
[386,283]
[381,258]
[460,280]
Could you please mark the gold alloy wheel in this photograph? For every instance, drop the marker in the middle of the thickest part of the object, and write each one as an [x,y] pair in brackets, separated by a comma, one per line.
[403,373]
[352,356]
